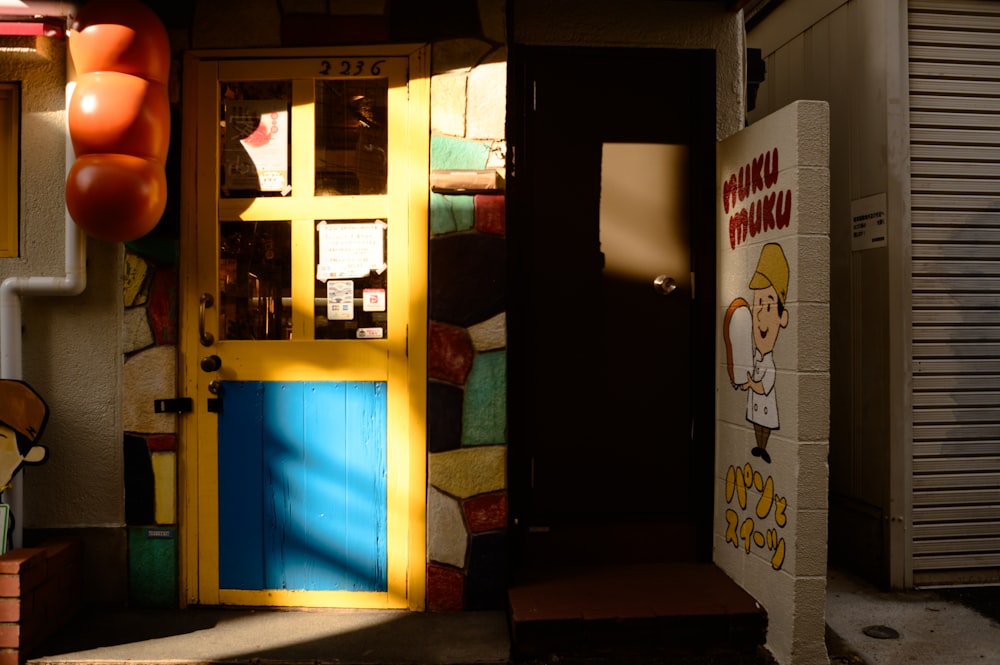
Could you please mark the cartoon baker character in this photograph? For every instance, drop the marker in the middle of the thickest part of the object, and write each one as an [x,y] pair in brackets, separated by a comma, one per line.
[23,414]
[768,316]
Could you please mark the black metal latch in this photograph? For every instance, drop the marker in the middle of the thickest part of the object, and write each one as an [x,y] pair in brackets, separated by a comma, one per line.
[175,405]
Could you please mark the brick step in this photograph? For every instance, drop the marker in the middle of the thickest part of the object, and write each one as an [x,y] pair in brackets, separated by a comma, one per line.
[640,612]
[40,591]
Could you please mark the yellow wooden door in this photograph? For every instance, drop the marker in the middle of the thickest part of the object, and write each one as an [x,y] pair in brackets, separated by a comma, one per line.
[304,315]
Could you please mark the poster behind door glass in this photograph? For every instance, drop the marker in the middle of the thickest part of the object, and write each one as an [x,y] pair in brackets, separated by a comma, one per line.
[255,133]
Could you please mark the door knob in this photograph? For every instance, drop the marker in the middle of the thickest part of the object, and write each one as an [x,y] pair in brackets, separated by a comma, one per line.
[664,285]
[211,363]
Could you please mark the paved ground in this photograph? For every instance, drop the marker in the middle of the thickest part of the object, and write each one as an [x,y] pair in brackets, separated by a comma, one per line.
[912,628]
[209,636]
[954,627]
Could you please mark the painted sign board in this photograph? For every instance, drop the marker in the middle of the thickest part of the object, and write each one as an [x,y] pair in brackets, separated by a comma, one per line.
[773,370]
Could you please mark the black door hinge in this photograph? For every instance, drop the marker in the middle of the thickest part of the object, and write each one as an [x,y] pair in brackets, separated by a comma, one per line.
[175,405]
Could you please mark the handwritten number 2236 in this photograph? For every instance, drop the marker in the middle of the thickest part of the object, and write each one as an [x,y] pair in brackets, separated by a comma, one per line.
[351,68]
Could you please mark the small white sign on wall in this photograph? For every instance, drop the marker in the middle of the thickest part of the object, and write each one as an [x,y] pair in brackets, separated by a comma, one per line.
[868,222]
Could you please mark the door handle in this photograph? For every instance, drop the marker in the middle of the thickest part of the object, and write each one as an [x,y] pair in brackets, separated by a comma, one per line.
[207,339]
[664,285]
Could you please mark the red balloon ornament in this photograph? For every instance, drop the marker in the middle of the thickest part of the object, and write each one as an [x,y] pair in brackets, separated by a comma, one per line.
[116,197]
[119,120]
[120,113]
[120,36]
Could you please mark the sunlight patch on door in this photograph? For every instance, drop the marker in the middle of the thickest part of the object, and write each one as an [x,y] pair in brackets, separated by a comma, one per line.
[643,211]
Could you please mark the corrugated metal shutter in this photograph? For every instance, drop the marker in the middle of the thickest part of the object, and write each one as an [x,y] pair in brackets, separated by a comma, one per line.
[954,48]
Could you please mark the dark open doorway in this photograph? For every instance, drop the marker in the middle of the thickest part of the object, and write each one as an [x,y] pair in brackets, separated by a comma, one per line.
[611,379]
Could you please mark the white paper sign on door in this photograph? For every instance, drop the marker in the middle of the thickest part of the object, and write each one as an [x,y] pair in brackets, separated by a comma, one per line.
[350,250]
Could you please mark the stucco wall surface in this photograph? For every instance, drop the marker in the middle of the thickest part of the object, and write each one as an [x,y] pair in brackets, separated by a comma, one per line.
[70,350]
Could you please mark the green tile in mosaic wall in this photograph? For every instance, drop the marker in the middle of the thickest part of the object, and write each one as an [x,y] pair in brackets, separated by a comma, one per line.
[484,415]
[458,154]
[450,213]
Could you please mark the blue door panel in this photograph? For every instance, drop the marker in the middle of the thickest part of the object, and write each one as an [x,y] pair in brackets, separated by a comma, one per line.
[284,447]
[241,531]
[309,511]
[326,498]
[366,491]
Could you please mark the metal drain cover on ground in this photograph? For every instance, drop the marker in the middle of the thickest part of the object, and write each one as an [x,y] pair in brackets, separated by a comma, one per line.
[881,632]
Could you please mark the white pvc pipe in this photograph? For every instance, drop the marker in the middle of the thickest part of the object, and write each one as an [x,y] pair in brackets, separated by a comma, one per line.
[11,289]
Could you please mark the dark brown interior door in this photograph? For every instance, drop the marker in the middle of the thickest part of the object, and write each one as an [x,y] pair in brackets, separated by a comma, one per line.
[613,152]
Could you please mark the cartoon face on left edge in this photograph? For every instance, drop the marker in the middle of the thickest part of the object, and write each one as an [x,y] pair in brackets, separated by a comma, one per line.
[23,414]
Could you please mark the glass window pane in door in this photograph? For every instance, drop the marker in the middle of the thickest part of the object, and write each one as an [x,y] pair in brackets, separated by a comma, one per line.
[255,138]
[255,280]
[352,138]
[351,279]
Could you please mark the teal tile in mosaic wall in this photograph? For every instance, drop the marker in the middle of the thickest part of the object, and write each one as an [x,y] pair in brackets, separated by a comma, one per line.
[450,213]
[450,153]
[484,416]
[152,566]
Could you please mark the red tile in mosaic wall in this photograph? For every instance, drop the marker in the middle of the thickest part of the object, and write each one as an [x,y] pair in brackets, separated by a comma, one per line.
[163,306]
[445,589]
[161,442]
[486,512]
[490,216]
[449,353]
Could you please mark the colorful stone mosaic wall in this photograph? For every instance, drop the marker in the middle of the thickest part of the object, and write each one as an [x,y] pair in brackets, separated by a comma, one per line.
[467,385]
[150,442]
